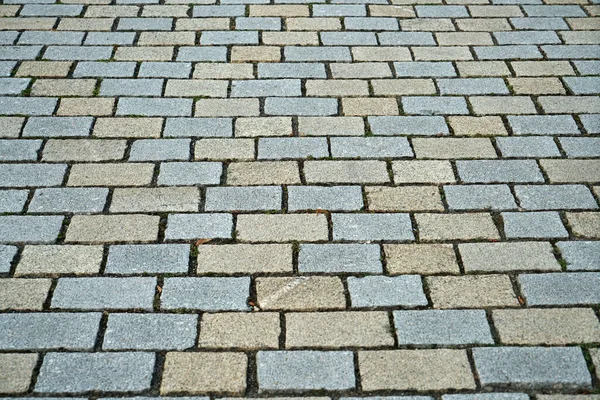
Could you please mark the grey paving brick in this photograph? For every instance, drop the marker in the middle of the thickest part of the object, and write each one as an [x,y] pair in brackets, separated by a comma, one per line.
[132,87]
[6,67]
[348,38]
[488,171]
[355,147]
[583,85]
[434,105]
[45,331]
[581,147]
[446,11]
[334,198]
[8,37]
[294,70]
[198,226]
[527,367]
[22,175]
[145,24]
[19,150]
[152,69]
[101,293]
[527,146]
[258,23]
[554,11]
[150,332]
[580,255]
[13,85]
[154,107]
[71,200]
[51,10]
[542,124]
[106,372]
[555,197]
[7,254]
[479,197]
[109,38]
[561,52]
[19,52]
[78,52]
[189,173]
[386,291]
[466,86]
[27,105]
[513,52]
[305,370]
[30,229]
[213,53]
[561,288]
[591,122]
[266,88]
[545,224]
[300,106]
[371,24]
[418,125]
[486,396]
[424,69]
[588,67]
[322,53]
[339,258]
[243,198]
[87,69]
[148,259]
[12,201]
[228,37]
[207,294]
[219,11]
[442,327]
[372,227]
[331,10]
[508,256]
[58,126]
[539,23]
[160,149]
[198,127]
[406,38]
[283,148]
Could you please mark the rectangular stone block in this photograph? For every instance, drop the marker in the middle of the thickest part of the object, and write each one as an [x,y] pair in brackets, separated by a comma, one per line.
[132,200]
[12,201]
[17,372]
[574,288]
[114,174]
[385,291]
[23,294]
[198,226]
[335,198]
[244,258]
[255,330]
[75,200]
[479,197]
[290,148]
[147,259]
[59,259]
[207,294]
[489,171]
[29,229]
[302,293]
[476,291]
[580,255]
[154,107]
[535,225]
[346,172]
[339,258]
[471,226]
[373,147]
[367,227]
[281,227]
[243,198]
[113,228]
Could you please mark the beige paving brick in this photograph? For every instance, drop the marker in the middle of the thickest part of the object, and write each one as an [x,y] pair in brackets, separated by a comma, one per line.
[202,24]
[166,38]
[255,54]
[128,127]
[263,173]
[313,24]
[506,257]
[404,198]
[122,174]
[542,68]
[10,127]
[547,326]
[63,87]
[424,259]
[595,353]
[483,24]
[496,11]
[144,53]
[585,224]
[281,227]
[59,259]
[287,10]
[164,10]
[402,87]
[227,108]
[370,106]
[301,293]
[244,258]
[536,86]
[477,126]
[442,53]
[451,148]
[584,24]
[84,150]
[111,11]
[338,329]
[224,149]
[563,171]
[82,24]
[44,68]
[437,369]
[42,24]
[290,38]
[381,53]
[338,88]
[580,37]
[331,126]
[195,88]
[17,370]
[23,294]
[425,24]
[570,104]
[346,171]
[204,372]
[471,291]
[248,331]
[8,10]
[482,68]
[83,106]
[469,226]
[485,105]
[223,71]
[422,171]
[263,126]
[464,39]
[376,10]
[113,228]
[126,200]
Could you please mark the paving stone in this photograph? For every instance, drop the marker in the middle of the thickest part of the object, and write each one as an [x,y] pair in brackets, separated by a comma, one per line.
[198,226]
[532,366]
[107,372]
[13,201]
[548,197]
[546,326]
[227,107]
[59,259]
[325,53]
[434,227]
[488,171]
[266,87]
[346,172]
[18,371]
[527,146]
[7,254]
[546,224]
[329,329]
[147,259]
[445,327]
[331,126]
[160,149]
[112,228]
[244,258]
[439,369]
[207,294]
[404,198]
[468,86]
[372,227]
[504,257]
[125,200]
[415,125]
[30,229]
[479,197]
[23,294]
[154,107]
[38,175]
[571,171]
[281,228]
[584,224]
[110,174]
[198,127]
[543,124]
[403,291]
[263,126]
[240,330]
[83,150]
[11,126]
[128,127]
[243,198]
[336,258]
[286,148]
[263,173]
[370,148]
[348,38]
[132,87]
[189,173]
[300,106]
[580,255]
[303,293]
[57,126]
[305,370]
[561,288]
[225,149]
[434,105]
[335,198]
[475,291]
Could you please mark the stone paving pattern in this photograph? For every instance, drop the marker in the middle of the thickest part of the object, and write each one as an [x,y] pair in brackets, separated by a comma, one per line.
[386,199]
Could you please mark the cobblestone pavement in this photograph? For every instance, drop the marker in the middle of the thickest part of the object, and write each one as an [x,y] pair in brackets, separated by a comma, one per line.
[341,199]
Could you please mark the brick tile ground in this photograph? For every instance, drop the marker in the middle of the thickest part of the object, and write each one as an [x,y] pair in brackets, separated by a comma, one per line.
[334,199]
